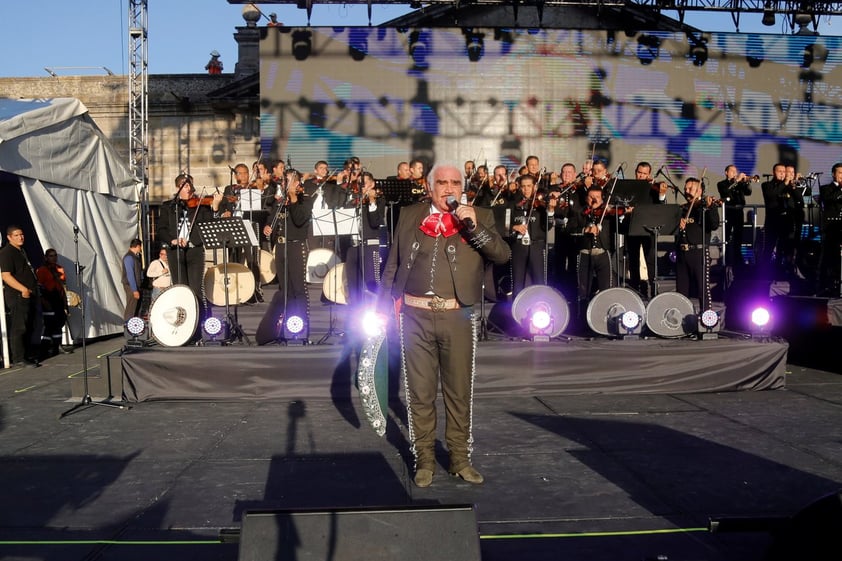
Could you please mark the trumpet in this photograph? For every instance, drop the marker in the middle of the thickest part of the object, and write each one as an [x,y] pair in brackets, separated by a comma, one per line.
[752,179]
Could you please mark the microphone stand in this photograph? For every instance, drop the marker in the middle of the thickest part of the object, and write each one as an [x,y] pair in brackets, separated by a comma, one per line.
[87,400]
[620,258]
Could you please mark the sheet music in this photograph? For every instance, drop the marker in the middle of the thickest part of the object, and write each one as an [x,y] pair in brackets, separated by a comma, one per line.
[250,200]
[335,222]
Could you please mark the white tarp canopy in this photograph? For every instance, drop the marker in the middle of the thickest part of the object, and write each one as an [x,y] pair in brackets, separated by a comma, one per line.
[72,181]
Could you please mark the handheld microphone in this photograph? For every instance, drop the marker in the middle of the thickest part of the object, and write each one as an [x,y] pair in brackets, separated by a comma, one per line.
[453,204]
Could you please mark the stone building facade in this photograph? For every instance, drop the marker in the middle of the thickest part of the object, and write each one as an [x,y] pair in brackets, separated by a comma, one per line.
[197,122]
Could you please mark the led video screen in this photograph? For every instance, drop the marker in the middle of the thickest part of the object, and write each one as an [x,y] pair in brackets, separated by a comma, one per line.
[692,104]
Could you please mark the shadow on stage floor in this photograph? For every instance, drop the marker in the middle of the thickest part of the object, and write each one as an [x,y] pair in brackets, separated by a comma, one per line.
[600,449]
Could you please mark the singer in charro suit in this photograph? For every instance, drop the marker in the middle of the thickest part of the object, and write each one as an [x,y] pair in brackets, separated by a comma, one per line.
[434,275]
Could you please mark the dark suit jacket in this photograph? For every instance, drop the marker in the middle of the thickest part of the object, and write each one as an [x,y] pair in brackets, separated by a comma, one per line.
[466,268]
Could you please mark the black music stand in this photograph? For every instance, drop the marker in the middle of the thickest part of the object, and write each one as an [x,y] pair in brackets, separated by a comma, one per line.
[402,191]
[634,192]
[654,220]
[223,234]
[334,222]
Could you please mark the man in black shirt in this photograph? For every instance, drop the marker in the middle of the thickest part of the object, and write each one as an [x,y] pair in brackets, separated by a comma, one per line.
[20,290]
[830,196]
[733,191]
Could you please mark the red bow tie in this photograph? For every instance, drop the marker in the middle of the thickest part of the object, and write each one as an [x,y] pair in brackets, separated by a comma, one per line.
[440,224]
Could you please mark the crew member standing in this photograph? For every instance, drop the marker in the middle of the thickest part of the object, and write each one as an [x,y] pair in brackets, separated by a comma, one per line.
[434,272]
[20,289]
[131,278]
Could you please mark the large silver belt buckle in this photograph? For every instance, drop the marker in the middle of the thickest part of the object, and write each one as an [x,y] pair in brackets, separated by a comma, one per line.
[437,304]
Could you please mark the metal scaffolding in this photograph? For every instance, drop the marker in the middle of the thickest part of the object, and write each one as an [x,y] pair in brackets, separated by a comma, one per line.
[139,111]
[788,7]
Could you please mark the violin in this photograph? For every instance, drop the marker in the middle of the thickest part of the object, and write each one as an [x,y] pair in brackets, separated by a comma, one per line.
[713,203]
[194,202]
[610,210]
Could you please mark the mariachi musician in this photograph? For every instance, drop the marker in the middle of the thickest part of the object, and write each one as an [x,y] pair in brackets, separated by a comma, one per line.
[179,233]
[532,217]
[232,205]
[699,218]
[274,186]
[733,191]
[362,265]
[572,197]
[636,244]
[480,192]
[287,227]
[830,198]
[781,202]
[596,239]
[599,175]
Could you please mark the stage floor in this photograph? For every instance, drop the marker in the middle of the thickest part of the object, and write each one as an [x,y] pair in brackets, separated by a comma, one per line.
[619,477]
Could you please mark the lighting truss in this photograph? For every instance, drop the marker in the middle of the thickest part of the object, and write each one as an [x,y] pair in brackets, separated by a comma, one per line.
[733,6]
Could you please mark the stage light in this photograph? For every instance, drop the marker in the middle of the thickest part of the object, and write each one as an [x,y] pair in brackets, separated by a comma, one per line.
[648,49]
[760,317]
[755,52]
[803,19]
[419,48]
[295,325]
[373,324]
[136,332]
[709,321]
[135,326]
[616,312]
[212,326]
[540,319]
[699,54]
[768,15]
[358,43]
[302,44]
[541,312]
[814,53]
[507,39]
[213,331]
[474,44]
[630,321]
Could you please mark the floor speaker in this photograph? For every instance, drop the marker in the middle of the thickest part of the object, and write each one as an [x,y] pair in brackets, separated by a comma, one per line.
[813,534]
[427,533]
[270,328]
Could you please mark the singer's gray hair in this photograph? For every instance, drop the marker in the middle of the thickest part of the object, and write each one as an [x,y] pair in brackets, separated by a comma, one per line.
[444,165]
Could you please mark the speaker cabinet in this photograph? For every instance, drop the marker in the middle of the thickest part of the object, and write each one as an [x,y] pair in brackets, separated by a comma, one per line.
[428,533]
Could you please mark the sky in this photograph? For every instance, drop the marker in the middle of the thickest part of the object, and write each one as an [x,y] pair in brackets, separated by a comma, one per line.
[80,37]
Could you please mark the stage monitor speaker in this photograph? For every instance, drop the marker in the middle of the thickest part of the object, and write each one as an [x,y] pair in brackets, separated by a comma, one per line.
[270,329]
[427,533]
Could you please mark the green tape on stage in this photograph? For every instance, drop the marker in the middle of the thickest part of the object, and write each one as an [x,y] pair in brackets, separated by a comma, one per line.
[373,381]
